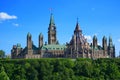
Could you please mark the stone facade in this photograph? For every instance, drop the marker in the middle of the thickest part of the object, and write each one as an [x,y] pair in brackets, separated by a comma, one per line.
[52,49]
[78,47]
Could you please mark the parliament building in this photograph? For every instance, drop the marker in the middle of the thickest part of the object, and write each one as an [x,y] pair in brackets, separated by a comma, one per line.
[78,47]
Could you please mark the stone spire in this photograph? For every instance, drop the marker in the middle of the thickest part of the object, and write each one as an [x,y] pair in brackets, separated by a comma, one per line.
[52,39]
[111,48]
[95,41]
[110,42]
[52,23]
[77,28]
[29,41]
[28,35]
[40,40]
[104,43]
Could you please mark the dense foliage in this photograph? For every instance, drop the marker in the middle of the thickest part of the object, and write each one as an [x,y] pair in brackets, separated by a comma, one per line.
[60,69]
[2,54]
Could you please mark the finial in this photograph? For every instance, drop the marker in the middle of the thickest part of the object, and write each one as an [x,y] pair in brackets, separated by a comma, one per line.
[51,10]
[77,25]
[77,19]
[51,19]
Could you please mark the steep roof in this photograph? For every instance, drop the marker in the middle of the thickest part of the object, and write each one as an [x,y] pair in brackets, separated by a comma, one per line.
[53,47]
[34,47]
[28,34]
[95,37]
[77,27]
[52,20]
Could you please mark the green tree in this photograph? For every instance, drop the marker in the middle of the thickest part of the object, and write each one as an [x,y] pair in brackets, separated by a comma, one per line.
[31,72]
[9,69]
[46,70]
[3,75]
[19,73]
[83,68]
[112,71]
[2,54]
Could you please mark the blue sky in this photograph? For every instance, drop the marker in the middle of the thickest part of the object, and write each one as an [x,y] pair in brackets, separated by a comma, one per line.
[96,17]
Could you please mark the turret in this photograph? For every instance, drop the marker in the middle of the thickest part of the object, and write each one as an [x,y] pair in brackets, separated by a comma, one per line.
[113,51]
[95,42]
[29,41]
[110,42]
[104,43]
[111,48]
[16,50]
[29,44]
[40,40]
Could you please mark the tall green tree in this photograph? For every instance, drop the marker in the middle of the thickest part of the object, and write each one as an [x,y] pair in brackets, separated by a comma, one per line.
[2,54]
[3,75]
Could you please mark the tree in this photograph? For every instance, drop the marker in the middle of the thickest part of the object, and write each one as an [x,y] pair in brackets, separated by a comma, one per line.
[113,71]
[2,54]
[46,70]
[19,72]
[3,75]
[32,73]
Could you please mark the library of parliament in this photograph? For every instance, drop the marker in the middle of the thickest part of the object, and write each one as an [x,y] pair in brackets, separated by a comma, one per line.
[78,47]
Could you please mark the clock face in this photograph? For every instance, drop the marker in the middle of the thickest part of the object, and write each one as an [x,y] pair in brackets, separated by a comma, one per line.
[52,28]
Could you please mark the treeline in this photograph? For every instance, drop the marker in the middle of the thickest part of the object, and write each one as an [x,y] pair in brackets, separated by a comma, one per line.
[60,69]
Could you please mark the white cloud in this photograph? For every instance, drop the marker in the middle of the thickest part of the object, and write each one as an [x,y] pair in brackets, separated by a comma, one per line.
[88,37]
[15,24]
[118,40]
[5,16]
[98,43]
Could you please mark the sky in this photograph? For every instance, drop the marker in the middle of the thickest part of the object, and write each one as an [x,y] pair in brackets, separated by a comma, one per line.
[95,17]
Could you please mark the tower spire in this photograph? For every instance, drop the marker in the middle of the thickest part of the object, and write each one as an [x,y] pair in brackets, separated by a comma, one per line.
[110,42]
[52,39]
[52,23]
[77,26]
[77,19]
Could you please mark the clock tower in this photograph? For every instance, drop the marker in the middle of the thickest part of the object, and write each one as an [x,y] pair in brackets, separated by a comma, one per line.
[52,31]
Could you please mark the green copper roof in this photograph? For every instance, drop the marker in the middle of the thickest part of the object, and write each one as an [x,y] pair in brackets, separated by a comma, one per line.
[104,38]
[40,35]
[34,47]
[52,19]
[95,37]
[29,34]
[110,38]
[95,48]
[18,45]
[53,47]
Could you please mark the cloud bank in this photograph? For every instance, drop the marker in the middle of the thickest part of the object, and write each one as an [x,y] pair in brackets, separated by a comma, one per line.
[6,16]
[88,37]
